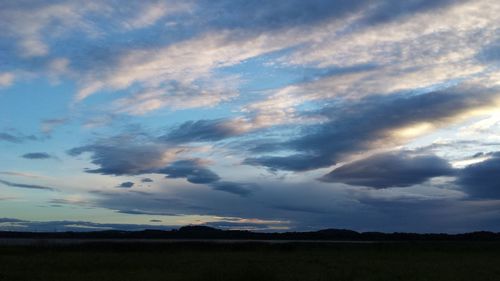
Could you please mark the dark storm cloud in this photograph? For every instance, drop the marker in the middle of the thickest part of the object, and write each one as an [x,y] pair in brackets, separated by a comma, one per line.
[37,155]
[201,130]
[146,180]
[241,189]
[359,125]
[482,180]
[191,170]
[29,186]
[396,169]
[127,184]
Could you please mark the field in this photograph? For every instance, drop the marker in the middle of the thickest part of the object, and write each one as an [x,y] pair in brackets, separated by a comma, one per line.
[252,261]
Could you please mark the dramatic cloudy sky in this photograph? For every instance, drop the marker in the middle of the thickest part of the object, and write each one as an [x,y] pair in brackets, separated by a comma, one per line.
[373,115]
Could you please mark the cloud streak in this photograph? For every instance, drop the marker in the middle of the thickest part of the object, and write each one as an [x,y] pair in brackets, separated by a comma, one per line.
[16,138]
[27,186]
[377,121]
[396,169]
[37,155]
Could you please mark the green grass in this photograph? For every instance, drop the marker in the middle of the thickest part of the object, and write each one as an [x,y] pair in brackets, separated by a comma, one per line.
[301,262]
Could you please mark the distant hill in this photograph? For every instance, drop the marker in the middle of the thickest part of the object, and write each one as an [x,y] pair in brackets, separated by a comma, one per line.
[206,232]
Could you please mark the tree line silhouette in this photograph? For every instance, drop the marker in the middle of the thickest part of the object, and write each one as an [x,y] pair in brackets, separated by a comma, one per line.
[205,232]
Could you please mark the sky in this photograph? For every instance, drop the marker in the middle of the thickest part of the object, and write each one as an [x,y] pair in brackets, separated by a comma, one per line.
[371,115]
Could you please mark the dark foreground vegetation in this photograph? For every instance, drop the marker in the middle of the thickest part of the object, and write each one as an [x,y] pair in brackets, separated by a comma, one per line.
[253,261]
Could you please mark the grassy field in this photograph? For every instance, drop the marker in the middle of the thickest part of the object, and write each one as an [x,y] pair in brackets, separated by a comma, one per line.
[253,261]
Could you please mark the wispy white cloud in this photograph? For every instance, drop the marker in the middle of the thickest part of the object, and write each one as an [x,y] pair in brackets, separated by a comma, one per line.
[423,50]
[22,174]
[152,12]
[58,17]
[48,125]
[176,96]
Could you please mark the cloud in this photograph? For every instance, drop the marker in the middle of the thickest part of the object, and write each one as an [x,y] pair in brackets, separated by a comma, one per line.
[44,21]
[424,48]
[393,169]
[275,15]
[212,130]
[434,214]
[6,79]
[482,180]
[300,85]
[20,174]
[16,138]
[201,130]
[9,138]
[181,71]
[145,180]
[29,34]
[315,205]
[377,122]
[174,95]
[131,155]
[403,47]
[29,186]
[48,125]
[127,158]
[251,225]
[143,212]
[390,10]
[32,36]
[12,224]
[127,184]
[151,13]
[8,220]
[8,224]
[192,170]
[490,53]
[295,162]
[37,155]
[241,189]
[200,38]
[262,16]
